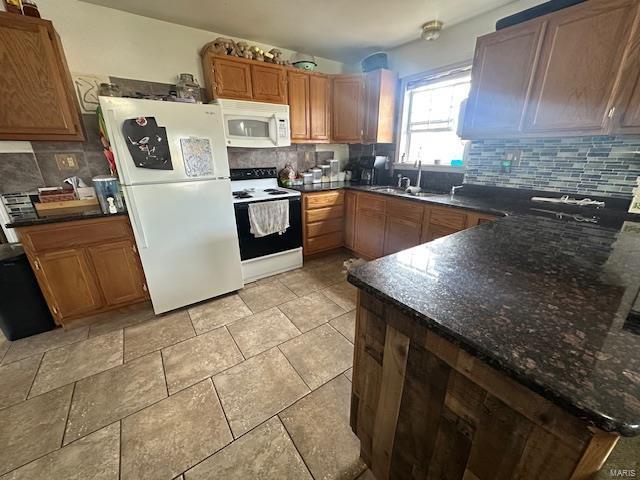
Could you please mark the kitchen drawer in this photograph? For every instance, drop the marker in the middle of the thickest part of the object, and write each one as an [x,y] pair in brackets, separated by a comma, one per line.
[320,214]
[323,242]
[75,234]
[327,226]
[448,217]
[371,202]
[405,209]
[324,199]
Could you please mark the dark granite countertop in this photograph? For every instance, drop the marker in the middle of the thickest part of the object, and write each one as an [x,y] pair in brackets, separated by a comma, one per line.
[321,187]
[548,302]
[31,219]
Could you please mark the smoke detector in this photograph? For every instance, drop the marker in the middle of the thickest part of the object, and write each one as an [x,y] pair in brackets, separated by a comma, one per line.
[431,30]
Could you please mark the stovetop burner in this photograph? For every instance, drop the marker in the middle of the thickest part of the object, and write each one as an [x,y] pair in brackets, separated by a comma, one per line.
[242,194]
[273,191]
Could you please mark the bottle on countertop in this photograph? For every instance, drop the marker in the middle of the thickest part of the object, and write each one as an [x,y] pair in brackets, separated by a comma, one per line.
[30,8]
[13,6]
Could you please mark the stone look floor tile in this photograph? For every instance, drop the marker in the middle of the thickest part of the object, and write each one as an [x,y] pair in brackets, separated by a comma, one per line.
[303,281]
[349,374]
[156,334]
[310,311]
[16,379]
[109,396]
[26,347]
[263,297]
[218,312]
[346,325]
[198,358]
[95,457]
[344,294]
[266,452]
[319,355]
[367,475]
[257,389]
[4,346]
[123,317]
[165,439]
[319,427]
[262,331]
[332,272]
[76,361]
[33,428]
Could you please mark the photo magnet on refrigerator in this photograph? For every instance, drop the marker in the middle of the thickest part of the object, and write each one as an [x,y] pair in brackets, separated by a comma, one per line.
[147,143]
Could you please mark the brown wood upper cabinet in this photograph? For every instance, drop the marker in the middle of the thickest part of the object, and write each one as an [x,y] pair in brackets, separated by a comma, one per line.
[309,96]
[572,72]
[37,100]
[364,107]
[380,105]
[243,79]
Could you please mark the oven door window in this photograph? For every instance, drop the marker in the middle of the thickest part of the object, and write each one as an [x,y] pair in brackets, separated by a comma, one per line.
[248,128]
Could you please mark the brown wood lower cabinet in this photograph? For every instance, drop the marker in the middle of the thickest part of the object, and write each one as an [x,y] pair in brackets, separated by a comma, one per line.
[86,266]
[373,225]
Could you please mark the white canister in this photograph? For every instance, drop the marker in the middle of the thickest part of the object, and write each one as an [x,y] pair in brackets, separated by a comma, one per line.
[317,175]
[335,169]
[326,173]
[307,178]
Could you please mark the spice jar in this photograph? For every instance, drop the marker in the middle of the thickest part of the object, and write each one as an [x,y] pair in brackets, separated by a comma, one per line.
[30,9]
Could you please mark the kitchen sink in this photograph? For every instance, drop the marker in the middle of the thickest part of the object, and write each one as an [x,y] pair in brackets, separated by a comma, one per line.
[388,190]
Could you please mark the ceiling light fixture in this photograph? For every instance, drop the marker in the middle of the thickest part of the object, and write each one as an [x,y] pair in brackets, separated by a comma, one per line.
[431,30]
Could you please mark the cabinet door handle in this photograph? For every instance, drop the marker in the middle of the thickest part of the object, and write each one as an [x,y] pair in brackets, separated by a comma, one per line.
[55,310]
[144,287]
[36,265]
[134,249]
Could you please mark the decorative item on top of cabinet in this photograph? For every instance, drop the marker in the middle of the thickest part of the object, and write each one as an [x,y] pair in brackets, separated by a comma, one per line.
[322,221]
[86,266]
[37,101]
[559,90]
[309,98]
[243,79]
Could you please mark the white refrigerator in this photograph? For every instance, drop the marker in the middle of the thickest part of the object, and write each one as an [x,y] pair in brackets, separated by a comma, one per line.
[173,167]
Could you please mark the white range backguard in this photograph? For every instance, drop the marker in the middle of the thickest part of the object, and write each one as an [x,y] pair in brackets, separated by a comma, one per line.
[184,226]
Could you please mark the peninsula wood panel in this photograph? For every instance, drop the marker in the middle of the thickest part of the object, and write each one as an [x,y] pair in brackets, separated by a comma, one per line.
[503,69]
[573,91]
[423,408]
[37,101]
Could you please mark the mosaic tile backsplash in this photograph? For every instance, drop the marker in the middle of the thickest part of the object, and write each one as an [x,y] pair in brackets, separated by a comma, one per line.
[600,165]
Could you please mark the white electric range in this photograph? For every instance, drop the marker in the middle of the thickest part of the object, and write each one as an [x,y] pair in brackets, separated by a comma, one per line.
[265,256]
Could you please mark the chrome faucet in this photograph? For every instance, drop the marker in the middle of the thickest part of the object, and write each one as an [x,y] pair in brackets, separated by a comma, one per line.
[455,189]
[418,165]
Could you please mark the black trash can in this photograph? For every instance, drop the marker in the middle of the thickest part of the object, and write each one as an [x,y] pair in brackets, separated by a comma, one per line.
[23,310]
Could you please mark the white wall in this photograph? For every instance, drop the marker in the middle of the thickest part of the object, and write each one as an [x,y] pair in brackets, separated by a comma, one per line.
[456,44]
[104,41]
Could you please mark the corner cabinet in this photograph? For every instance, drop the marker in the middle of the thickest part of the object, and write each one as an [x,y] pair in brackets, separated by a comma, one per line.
[364,107]
[37,99]
[571,72]
[85,267]
[242,79]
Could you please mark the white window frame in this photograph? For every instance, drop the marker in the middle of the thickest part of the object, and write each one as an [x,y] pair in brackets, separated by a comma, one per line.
[451,71]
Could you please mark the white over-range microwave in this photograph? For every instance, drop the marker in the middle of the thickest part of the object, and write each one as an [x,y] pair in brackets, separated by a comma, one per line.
[255,124]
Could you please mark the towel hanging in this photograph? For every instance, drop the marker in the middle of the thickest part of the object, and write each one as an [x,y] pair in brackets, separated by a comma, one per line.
[267,218]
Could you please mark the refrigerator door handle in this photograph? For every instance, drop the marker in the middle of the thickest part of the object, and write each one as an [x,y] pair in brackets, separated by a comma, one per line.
[138,227]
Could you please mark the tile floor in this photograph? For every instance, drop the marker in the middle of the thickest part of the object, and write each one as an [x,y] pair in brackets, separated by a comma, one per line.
[251,385]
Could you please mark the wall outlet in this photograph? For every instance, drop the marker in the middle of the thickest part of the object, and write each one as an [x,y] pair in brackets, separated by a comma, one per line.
[66,161]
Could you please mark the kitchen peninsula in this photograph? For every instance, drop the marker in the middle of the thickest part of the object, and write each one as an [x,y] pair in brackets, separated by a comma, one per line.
[509,350]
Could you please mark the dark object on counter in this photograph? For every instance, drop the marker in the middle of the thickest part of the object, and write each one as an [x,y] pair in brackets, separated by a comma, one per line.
[30,9]
[23,310]
[534,12]
[371,170]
